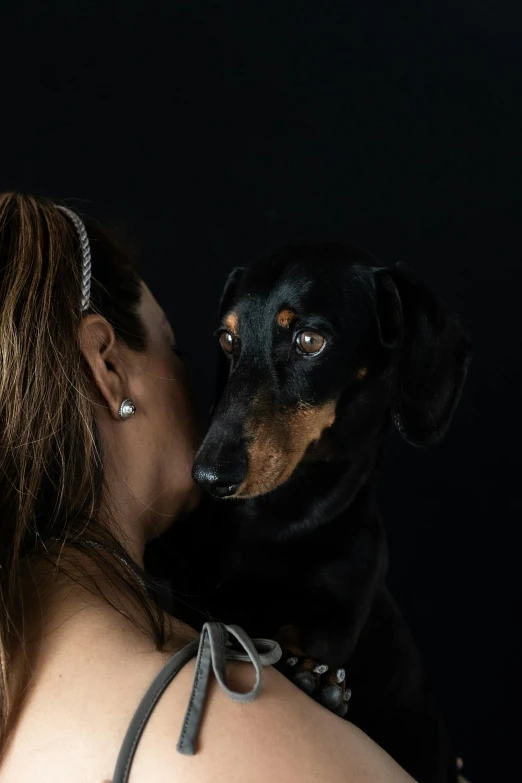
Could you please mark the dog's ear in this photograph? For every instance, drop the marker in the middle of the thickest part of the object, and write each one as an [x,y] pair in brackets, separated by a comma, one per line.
[389,309]
[433,354]
[230,289]
[227,297]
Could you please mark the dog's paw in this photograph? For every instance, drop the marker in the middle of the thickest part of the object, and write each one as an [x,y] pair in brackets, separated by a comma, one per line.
[325,685]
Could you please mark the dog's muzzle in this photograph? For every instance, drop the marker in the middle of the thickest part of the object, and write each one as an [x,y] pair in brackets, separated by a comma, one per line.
[221,477]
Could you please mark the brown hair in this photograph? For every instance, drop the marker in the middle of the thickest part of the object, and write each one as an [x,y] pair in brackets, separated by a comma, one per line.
[51,453]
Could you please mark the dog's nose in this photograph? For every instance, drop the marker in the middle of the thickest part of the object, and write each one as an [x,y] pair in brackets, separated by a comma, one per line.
[221,481]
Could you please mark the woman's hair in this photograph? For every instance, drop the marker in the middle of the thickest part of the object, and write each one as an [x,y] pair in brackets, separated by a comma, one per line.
[51,452]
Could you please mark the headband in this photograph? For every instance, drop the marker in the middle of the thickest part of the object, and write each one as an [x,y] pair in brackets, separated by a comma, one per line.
[86,255]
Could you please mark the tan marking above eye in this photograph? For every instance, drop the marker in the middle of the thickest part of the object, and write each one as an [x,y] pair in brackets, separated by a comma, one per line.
[231,322]
[226,341]
[310,342]
[285,318]
[361,373]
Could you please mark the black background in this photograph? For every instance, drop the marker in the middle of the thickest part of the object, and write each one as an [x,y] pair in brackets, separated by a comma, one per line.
[217,130]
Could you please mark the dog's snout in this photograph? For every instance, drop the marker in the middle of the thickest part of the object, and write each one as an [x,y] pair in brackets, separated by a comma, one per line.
[221,479]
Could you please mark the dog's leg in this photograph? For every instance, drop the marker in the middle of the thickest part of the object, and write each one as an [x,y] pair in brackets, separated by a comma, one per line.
[338,596]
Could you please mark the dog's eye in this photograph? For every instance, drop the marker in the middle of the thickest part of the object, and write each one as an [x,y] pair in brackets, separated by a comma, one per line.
[226,341]
[310,342]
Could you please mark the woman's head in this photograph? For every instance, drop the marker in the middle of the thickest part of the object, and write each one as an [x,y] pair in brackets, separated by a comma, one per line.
[148,458]
[69,465]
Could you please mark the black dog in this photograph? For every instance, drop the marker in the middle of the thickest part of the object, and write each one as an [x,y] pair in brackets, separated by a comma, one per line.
[324,352]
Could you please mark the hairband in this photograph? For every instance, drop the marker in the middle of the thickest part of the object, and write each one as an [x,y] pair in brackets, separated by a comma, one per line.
[86,255]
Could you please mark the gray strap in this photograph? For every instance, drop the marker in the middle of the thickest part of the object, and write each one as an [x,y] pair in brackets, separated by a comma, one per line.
[212,650]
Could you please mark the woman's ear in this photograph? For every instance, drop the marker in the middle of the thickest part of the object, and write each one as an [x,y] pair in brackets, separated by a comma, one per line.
[434,352]
[102,352]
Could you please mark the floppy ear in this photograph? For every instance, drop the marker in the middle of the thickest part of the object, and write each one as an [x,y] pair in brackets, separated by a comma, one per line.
[226,300]
[230,289]
[434,352]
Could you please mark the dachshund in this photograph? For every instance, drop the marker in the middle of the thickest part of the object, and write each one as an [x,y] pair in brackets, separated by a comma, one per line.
[323,353]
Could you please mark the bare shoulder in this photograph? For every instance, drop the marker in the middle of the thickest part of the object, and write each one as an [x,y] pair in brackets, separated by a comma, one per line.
[282,736]
[89,675]
[87,690]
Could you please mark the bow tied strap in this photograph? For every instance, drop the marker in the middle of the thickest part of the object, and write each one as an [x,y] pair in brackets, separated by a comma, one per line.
[213,649]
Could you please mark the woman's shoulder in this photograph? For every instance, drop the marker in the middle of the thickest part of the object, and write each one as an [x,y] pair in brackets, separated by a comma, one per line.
[78,711]
[281,736]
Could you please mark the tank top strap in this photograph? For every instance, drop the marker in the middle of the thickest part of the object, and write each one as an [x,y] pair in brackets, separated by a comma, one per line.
[217,643]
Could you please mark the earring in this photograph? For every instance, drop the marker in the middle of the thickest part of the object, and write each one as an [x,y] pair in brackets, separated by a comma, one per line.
[127,409]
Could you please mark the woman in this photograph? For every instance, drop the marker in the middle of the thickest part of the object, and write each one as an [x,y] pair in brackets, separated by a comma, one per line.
[97,438]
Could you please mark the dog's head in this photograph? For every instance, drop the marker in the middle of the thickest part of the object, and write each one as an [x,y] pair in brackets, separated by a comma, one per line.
[314,332]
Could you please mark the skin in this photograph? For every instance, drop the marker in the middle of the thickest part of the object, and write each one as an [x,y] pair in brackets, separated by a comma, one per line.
[92,666]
